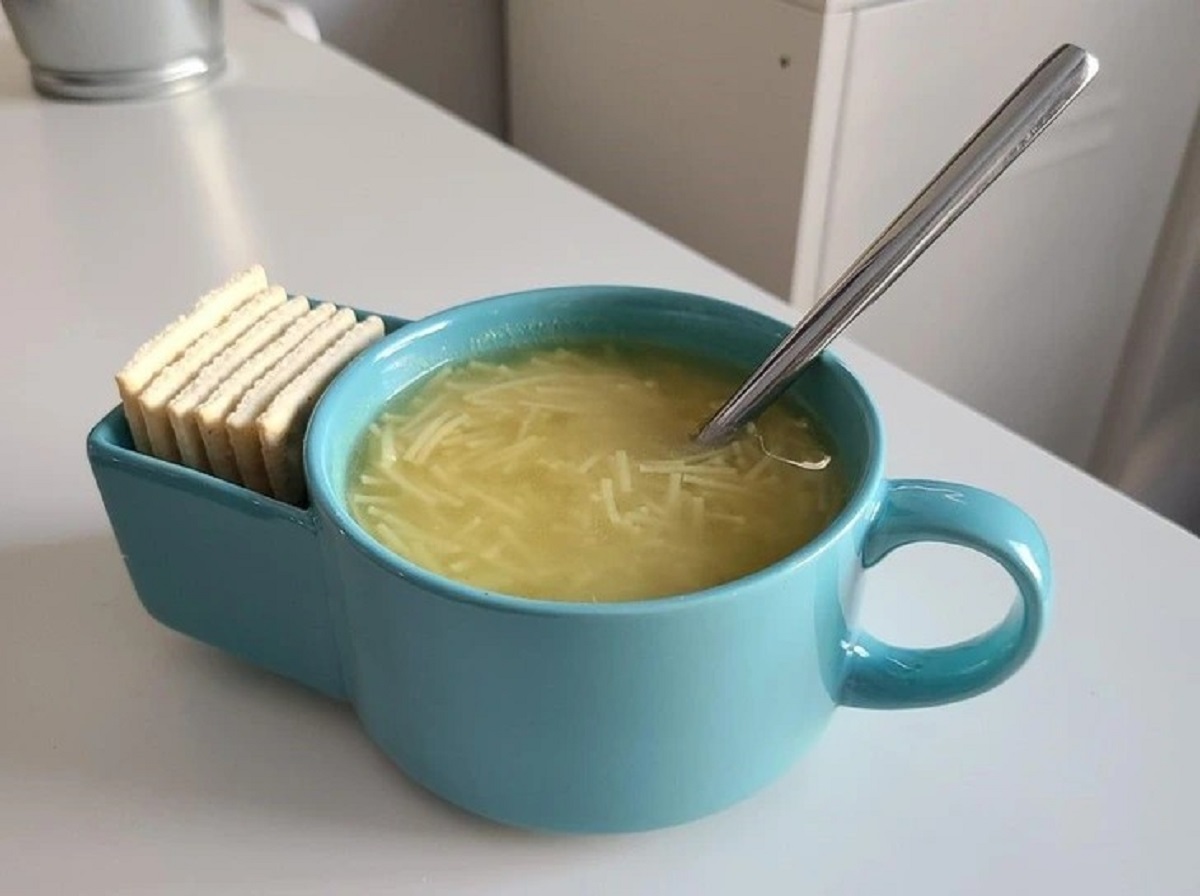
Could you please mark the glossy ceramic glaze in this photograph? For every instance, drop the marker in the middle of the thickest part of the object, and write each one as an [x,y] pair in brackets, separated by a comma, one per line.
[576,717]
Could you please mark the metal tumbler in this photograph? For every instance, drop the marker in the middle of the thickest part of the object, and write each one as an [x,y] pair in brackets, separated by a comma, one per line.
[118,49]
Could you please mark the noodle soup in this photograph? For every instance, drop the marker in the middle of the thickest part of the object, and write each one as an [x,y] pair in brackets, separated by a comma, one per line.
[568,474]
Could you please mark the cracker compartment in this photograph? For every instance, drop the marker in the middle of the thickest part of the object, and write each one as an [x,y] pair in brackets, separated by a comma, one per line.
[220,563]
[193,394]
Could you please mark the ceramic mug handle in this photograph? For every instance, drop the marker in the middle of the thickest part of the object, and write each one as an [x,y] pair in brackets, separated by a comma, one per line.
[884,676]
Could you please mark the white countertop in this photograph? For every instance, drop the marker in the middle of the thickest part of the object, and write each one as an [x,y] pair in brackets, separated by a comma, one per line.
[133,760]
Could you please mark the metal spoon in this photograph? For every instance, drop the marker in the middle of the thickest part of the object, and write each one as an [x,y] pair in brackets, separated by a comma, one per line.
[1016,124]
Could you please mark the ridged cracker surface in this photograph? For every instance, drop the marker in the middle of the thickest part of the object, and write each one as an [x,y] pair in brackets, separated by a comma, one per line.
[282,425]
[241,424]
[181,410]
[173,339]
[212,415]
[171,379]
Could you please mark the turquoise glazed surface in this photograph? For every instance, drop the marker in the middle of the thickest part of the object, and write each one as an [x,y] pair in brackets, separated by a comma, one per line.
[572,717]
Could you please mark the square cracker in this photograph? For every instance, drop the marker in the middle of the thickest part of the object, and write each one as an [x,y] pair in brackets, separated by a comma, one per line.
[211,416]
[181,410]
[171,379]
[170,342]
[241,424]
[282,425]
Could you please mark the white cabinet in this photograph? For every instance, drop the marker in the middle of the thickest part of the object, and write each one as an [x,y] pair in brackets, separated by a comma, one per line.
[779,138]
[695,115]
[1152,426]
[450,51]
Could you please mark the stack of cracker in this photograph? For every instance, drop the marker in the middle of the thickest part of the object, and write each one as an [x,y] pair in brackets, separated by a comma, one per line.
[228,387]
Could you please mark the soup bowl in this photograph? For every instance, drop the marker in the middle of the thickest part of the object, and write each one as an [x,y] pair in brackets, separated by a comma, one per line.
[552,715]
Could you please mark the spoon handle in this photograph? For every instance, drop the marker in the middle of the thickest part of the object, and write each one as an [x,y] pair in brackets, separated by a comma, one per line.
[1016,124]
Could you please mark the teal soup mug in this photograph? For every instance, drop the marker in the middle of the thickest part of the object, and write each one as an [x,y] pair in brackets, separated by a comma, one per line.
[551,715]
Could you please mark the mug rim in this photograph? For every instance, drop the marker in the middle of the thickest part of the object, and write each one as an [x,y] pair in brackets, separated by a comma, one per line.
[322,432]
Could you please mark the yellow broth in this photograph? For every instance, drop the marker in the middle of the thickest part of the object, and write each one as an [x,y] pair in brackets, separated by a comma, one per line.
[568,474]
